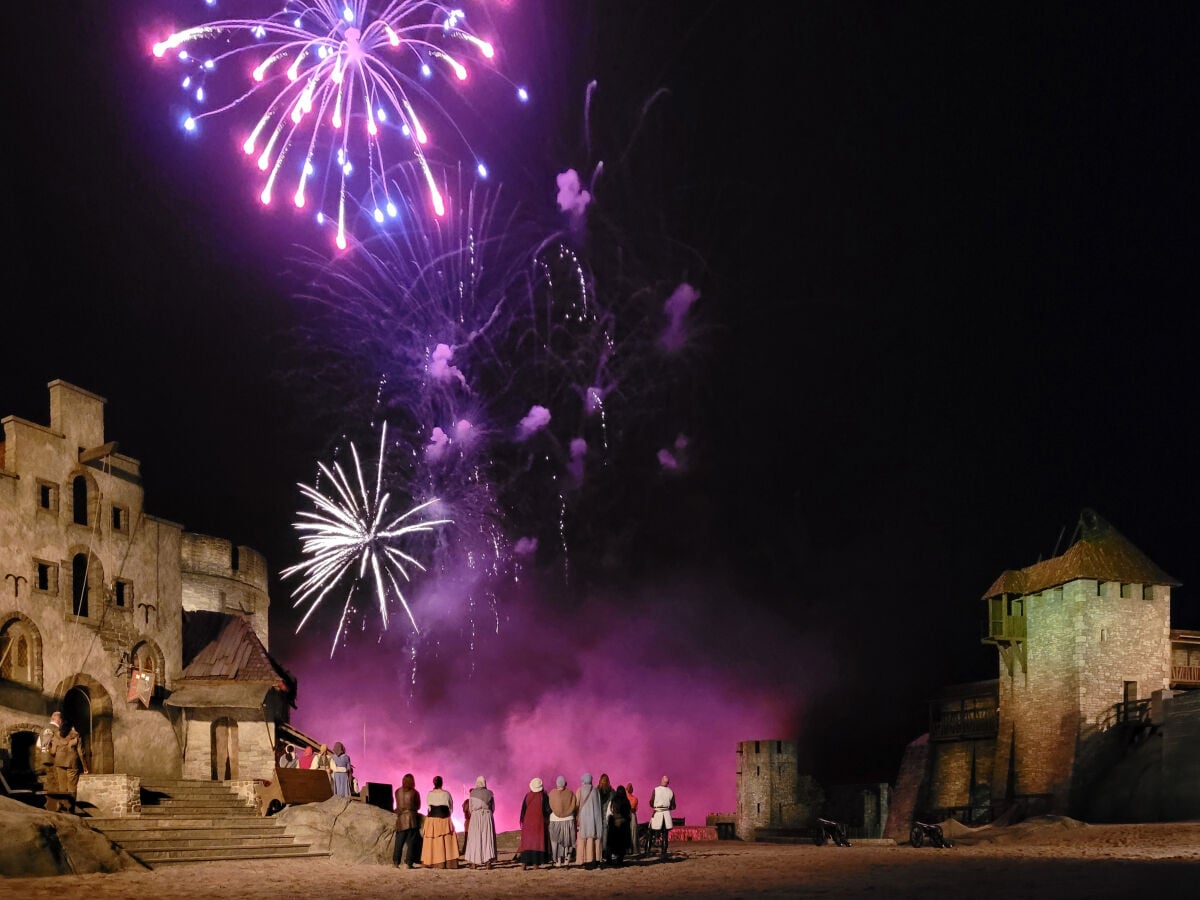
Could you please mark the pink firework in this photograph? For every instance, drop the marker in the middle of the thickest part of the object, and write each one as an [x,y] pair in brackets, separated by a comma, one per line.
[336,87]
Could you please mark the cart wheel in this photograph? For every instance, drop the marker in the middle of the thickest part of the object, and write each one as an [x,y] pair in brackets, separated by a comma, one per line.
[273,807]
[819,838]
[916,837]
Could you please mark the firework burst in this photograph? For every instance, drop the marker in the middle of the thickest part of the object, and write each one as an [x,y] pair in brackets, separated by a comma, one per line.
[349,537]
[337,87]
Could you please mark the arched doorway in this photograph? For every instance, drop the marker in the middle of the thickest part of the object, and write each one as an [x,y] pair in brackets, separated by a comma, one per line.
[88,706]
[21,769]
[224,749]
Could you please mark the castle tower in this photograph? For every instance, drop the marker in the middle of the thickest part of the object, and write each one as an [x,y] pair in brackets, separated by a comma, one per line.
[1083,642]
[768,778]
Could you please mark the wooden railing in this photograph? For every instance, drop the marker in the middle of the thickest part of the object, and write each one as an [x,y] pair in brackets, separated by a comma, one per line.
[966,723]
[1185,675]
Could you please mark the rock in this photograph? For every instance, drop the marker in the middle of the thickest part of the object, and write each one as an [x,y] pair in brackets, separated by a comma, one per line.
[349,830]
[36,842]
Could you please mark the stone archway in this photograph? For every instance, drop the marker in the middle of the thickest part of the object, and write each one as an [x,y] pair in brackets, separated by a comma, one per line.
[88,706]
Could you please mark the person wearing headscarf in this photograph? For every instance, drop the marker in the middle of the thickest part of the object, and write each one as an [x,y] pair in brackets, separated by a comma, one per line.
[618,828]
[605,789]
[439,843]
[591,824]
[342,770]
[481,826]
[408,823]
[535,827]
[563,807]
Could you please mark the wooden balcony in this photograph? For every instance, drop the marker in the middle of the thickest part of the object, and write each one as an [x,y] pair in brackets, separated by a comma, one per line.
[1185,676]
[1005,630]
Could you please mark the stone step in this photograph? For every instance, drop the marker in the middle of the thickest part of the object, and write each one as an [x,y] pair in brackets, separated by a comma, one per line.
[138,845]
[157,858]
[190,811]
[199,821]
[197,802]
[137,829]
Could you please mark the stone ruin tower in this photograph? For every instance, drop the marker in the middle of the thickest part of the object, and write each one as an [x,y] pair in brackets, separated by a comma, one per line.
[1082,639]
[770,791]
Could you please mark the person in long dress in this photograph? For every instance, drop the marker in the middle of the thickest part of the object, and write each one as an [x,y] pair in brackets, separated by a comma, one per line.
[481,826]
[591,824]
[342,770]
[618,828]
[563,807]
[633,820]
[439,842]
[605,789]
[535,827]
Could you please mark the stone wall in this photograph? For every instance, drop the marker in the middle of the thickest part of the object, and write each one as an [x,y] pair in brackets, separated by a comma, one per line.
[211,583]
[908,793]
[109,796]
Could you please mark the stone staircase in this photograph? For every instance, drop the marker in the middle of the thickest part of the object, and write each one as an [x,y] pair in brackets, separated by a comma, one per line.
[199,821]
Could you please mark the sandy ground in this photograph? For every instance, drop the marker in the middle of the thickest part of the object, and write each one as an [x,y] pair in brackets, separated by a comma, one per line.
[1042,860]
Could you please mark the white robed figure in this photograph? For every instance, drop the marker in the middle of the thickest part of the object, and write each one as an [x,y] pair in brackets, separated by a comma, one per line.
[662,801]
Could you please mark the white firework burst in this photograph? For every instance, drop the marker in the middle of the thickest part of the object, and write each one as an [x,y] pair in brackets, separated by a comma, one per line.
[348,534]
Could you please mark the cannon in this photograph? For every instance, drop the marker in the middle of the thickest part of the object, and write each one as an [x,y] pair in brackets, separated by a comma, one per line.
[829,830]
[925,833]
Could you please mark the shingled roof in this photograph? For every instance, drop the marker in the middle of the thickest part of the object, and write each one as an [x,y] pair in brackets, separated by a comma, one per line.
[218,647]
[1101,553]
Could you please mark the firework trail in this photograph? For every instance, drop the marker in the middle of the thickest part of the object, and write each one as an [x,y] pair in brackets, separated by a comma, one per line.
[349,530]
[336,86]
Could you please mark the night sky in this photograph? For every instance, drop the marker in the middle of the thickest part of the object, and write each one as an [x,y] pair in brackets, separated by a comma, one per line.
[947,301]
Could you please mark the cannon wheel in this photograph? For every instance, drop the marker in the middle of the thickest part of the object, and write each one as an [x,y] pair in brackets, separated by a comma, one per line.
[819,837]
[916,837]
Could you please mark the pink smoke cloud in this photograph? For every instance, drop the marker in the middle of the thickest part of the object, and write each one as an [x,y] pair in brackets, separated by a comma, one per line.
[676,308]
[663,680]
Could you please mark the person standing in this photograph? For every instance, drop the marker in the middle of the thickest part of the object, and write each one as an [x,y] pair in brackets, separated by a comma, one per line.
[439,843]
[408,833]
[481,825]
[605,789]
[563,807]
[662,800]
[323,759]
[633,820]
[618,828]
[46,774]
[68,765]
[535,827]
[342,770]
[591,824]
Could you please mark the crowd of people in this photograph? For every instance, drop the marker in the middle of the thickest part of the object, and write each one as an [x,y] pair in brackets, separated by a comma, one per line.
[593,825]
[336,763]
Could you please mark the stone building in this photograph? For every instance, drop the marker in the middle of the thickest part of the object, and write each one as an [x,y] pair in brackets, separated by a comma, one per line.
[1089,678]
[151,640]
[771,792]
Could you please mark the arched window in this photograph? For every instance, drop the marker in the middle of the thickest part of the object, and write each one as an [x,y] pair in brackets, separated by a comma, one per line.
[79,499]
[20,653]
[79,584]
